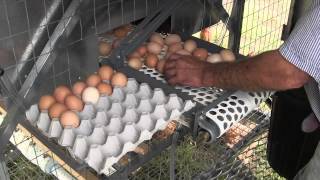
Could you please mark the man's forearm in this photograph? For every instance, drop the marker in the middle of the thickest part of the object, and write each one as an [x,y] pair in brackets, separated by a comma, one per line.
[268,71]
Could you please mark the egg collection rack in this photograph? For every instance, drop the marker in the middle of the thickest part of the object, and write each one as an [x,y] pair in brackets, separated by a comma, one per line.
[215,110]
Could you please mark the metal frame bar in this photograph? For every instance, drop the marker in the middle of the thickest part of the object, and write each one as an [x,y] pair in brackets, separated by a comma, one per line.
[236,19]
[68,22]
[14,115]
[4,175]
[287,28]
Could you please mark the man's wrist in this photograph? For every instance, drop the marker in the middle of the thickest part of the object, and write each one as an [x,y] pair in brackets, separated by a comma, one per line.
[208,77]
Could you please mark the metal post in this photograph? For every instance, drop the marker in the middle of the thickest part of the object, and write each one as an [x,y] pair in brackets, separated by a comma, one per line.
[4,175]
[294,14]
[235,21]
[173,155]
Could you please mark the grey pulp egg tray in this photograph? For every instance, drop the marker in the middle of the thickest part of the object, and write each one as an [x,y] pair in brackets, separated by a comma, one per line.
[117,124]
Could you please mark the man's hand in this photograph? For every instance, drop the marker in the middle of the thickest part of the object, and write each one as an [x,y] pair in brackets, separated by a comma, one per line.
[186,70]
[267,71]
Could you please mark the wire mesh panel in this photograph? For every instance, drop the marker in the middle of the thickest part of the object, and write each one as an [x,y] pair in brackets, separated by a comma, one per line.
[55,43]
[238,154]
[217,33]
[262,25]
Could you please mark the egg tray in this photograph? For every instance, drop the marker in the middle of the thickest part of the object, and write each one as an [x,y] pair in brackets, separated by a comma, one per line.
[203,95]
[117,124]
[219,108]
[224,107]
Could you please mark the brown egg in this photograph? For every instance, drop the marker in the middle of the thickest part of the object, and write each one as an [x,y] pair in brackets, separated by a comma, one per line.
[120,32]
[127,27]
[190,45]
[134,54]
[135,63]
[116,43]
[160,65]
[172,38]
[105,72]
[93,80]
[70,118]
[74,103]
[227,55]
[45,102]
[151,60]
[104,88]
[142,50]
[183,52]
[119,79]
[154,48]
[56,110]
[78,88]
[200,53]
[157,38]
[104,48]
[175,47]
[60,93]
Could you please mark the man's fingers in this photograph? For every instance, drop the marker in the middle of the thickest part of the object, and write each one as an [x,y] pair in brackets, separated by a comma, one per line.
[169,73]
[174,57]
[173,81]
[169,65]
[190,83]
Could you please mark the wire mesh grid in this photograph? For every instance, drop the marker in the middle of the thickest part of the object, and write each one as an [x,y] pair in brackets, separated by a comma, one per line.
[262,25]
[245,143]
[217,33]
[20,167]
[238,154]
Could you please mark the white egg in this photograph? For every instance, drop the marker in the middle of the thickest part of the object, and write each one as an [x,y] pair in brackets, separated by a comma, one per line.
[90,95]
[214,58]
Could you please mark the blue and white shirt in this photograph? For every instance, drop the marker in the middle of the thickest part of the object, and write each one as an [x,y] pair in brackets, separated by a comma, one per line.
[302,49]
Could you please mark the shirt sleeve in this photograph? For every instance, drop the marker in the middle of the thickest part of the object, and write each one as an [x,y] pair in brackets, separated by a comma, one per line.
[302,48]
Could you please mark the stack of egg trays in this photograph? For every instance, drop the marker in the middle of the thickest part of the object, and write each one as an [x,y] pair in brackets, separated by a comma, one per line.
[115,125]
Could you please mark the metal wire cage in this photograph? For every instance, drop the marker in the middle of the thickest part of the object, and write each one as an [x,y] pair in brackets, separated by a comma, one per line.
[46,43]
